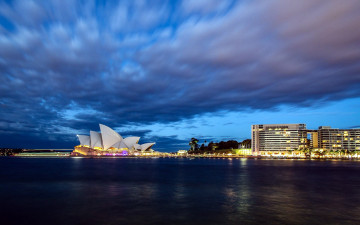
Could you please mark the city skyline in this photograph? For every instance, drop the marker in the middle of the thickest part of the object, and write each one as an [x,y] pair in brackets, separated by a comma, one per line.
[171,71]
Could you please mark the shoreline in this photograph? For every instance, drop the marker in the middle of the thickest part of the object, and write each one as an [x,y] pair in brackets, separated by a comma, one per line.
[190,157]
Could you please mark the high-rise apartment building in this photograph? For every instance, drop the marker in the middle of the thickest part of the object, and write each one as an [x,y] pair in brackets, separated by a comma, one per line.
[267,138]
[279,138]
[335,139]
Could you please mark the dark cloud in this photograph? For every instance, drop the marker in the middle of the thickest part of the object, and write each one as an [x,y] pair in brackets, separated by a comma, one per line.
[67,66]
[168,143]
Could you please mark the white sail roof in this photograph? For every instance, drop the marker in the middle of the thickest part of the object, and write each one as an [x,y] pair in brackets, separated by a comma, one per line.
[146,146]
[137,147]
[120,145]
[131,141]
[109,136]
[96,140]
[84,139]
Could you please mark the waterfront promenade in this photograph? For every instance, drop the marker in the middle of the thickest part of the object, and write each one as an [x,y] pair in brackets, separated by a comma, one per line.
[220,156]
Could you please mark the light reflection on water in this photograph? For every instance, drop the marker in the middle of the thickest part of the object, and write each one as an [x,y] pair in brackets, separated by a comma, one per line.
[178,191]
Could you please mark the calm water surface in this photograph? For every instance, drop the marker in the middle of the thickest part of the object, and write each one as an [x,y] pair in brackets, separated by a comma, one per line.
[178,191]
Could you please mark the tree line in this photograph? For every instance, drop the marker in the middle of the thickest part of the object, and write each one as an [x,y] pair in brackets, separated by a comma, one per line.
[9,151]
[217,147]
[322,153]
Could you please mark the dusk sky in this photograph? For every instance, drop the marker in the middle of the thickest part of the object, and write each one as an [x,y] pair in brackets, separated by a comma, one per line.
[171,70]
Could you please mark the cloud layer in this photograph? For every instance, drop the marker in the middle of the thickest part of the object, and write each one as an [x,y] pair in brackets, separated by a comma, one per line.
[66,66]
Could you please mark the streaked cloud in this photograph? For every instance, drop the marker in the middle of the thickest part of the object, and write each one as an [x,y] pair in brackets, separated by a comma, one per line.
[136,63]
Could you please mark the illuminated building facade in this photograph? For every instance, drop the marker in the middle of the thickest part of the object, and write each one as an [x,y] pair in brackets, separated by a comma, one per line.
[278,138]
[269,139]
[109,142]
[334,139]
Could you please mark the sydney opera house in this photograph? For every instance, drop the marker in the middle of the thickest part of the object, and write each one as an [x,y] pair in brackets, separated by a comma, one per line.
[109,143]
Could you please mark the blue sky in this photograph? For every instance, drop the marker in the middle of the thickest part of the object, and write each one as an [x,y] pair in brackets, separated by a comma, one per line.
[171,70]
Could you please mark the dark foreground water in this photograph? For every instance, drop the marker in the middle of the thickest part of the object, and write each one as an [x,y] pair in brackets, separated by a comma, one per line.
[178,191]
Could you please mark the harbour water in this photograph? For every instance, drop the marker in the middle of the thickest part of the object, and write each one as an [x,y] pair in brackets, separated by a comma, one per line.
[178,191]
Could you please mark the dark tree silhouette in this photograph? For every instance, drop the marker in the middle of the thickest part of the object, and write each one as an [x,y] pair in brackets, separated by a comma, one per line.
[194,144]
